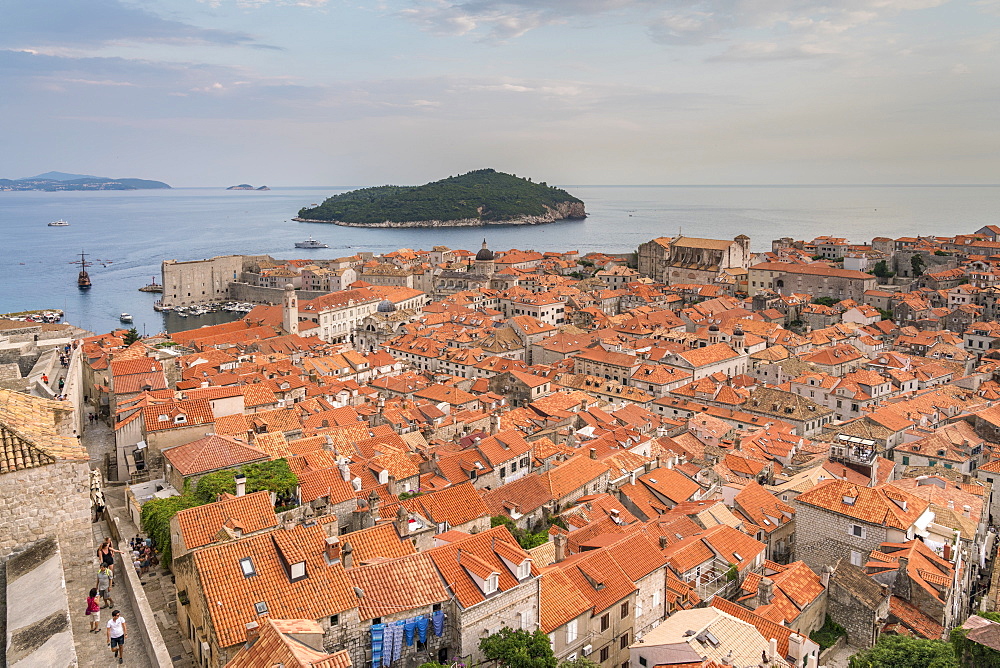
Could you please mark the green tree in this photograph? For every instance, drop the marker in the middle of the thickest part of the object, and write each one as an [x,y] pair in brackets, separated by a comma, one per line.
[825,301]
[903,652]
[519,649]
[578,662]
[524,538]
[973,653]
[273,476]
[882,271]
[917,263]
[886,315]
[131,336]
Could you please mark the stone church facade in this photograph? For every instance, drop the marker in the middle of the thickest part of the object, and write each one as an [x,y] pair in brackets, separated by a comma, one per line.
[690,260]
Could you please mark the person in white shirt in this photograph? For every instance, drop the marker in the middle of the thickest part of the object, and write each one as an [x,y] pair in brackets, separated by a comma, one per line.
[117,632]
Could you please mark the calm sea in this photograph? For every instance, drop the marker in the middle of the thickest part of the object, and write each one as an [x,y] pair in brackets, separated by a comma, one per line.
[127,234]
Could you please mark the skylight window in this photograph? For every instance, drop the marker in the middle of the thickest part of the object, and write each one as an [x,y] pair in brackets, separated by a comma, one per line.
[247,565]
[261,608]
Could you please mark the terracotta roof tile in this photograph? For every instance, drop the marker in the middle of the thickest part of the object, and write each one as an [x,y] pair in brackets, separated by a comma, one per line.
[884,505]
[391,587]
[212,453]
[251,513]
[231,596]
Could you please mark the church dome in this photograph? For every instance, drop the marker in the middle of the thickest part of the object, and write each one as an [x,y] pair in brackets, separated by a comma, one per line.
[484,253]
[386,306]
[713,328]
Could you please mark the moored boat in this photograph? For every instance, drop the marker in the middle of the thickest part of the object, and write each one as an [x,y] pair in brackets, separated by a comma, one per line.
[59,223]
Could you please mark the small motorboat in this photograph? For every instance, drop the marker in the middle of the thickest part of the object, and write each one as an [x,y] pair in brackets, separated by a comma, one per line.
[125,317]
[59,223]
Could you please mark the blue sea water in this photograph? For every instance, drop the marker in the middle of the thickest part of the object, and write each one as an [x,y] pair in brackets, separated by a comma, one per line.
[128,233]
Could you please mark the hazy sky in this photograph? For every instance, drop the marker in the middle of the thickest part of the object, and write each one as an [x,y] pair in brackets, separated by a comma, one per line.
[327,92]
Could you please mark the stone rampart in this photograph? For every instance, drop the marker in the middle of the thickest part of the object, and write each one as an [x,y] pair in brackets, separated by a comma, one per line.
[45,501]
[39,632]
[255,294]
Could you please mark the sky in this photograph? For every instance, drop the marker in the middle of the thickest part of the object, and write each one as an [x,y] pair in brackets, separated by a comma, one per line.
[332,92]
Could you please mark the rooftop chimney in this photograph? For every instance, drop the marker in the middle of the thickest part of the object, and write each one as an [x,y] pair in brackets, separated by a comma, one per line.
[593,455]
[241,484]
[663,542]
[967,510]
[253,632]
[825,575]
[333,549]
[560,540]
[772,649]
[347,555]
[765,591]
[796,648]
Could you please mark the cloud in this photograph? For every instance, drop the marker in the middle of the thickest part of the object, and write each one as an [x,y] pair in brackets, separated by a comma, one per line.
[792,24]
[92,23]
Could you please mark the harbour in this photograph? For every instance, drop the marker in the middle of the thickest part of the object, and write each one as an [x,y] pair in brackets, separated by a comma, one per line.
[128,234]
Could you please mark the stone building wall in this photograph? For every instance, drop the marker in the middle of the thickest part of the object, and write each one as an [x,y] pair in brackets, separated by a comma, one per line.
[861,613]
[491,615]
[199,281]
[47,501]
[354,635]
[255,294]
[822,537]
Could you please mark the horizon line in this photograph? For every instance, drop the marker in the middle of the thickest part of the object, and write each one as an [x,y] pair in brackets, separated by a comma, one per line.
[681,185]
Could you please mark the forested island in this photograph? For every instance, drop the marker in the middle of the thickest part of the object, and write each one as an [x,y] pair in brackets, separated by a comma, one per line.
[481,197]
[54,181]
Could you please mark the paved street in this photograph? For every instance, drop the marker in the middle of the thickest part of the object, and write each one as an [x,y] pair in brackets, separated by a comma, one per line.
[99,440]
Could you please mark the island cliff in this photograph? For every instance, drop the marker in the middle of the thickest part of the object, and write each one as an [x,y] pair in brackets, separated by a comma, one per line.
[482,197]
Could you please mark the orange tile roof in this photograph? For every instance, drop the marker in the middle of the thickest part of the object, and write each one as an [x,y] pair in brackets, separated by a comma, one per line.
[455,505]
[883,505]
[378,542]
[161,417]
[480,548]
[276,645]
[573,474]
[232,425]
[251,513]
[231,596]
[394,586]
[559,601]
[127,367]
[598,578]
[212,453]
[766,627]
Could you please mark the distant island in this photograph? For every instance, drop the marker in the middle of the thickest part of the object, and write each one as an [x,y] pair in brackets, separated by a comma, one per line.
[246,186]
[54,181]
[481,197]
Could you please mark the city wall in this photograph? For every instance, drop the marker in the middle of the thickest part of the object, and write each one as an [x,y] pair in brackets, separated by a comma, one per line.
[201,281]
[244,292]
[49,500]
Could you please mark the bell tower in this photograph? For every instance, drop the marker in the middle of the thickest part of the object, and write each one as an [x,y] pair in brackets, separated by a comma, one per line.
[290,311]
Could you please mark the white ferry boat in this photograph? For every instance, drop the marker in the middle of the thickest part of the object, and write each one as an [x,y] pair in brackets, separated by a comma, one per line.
[125,317]
[59,223]
[310,243]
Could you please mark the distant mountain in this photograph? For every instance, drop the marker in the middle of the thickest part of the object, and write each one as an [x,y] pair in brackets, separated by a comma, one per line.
[481,197]
[53,181]
[60,176]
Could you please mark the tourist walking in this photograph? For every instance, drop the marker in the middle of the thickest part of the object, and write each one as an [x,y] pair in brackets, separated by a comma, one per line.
[94,611]
[117,632]
[106,553]
[105,581]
